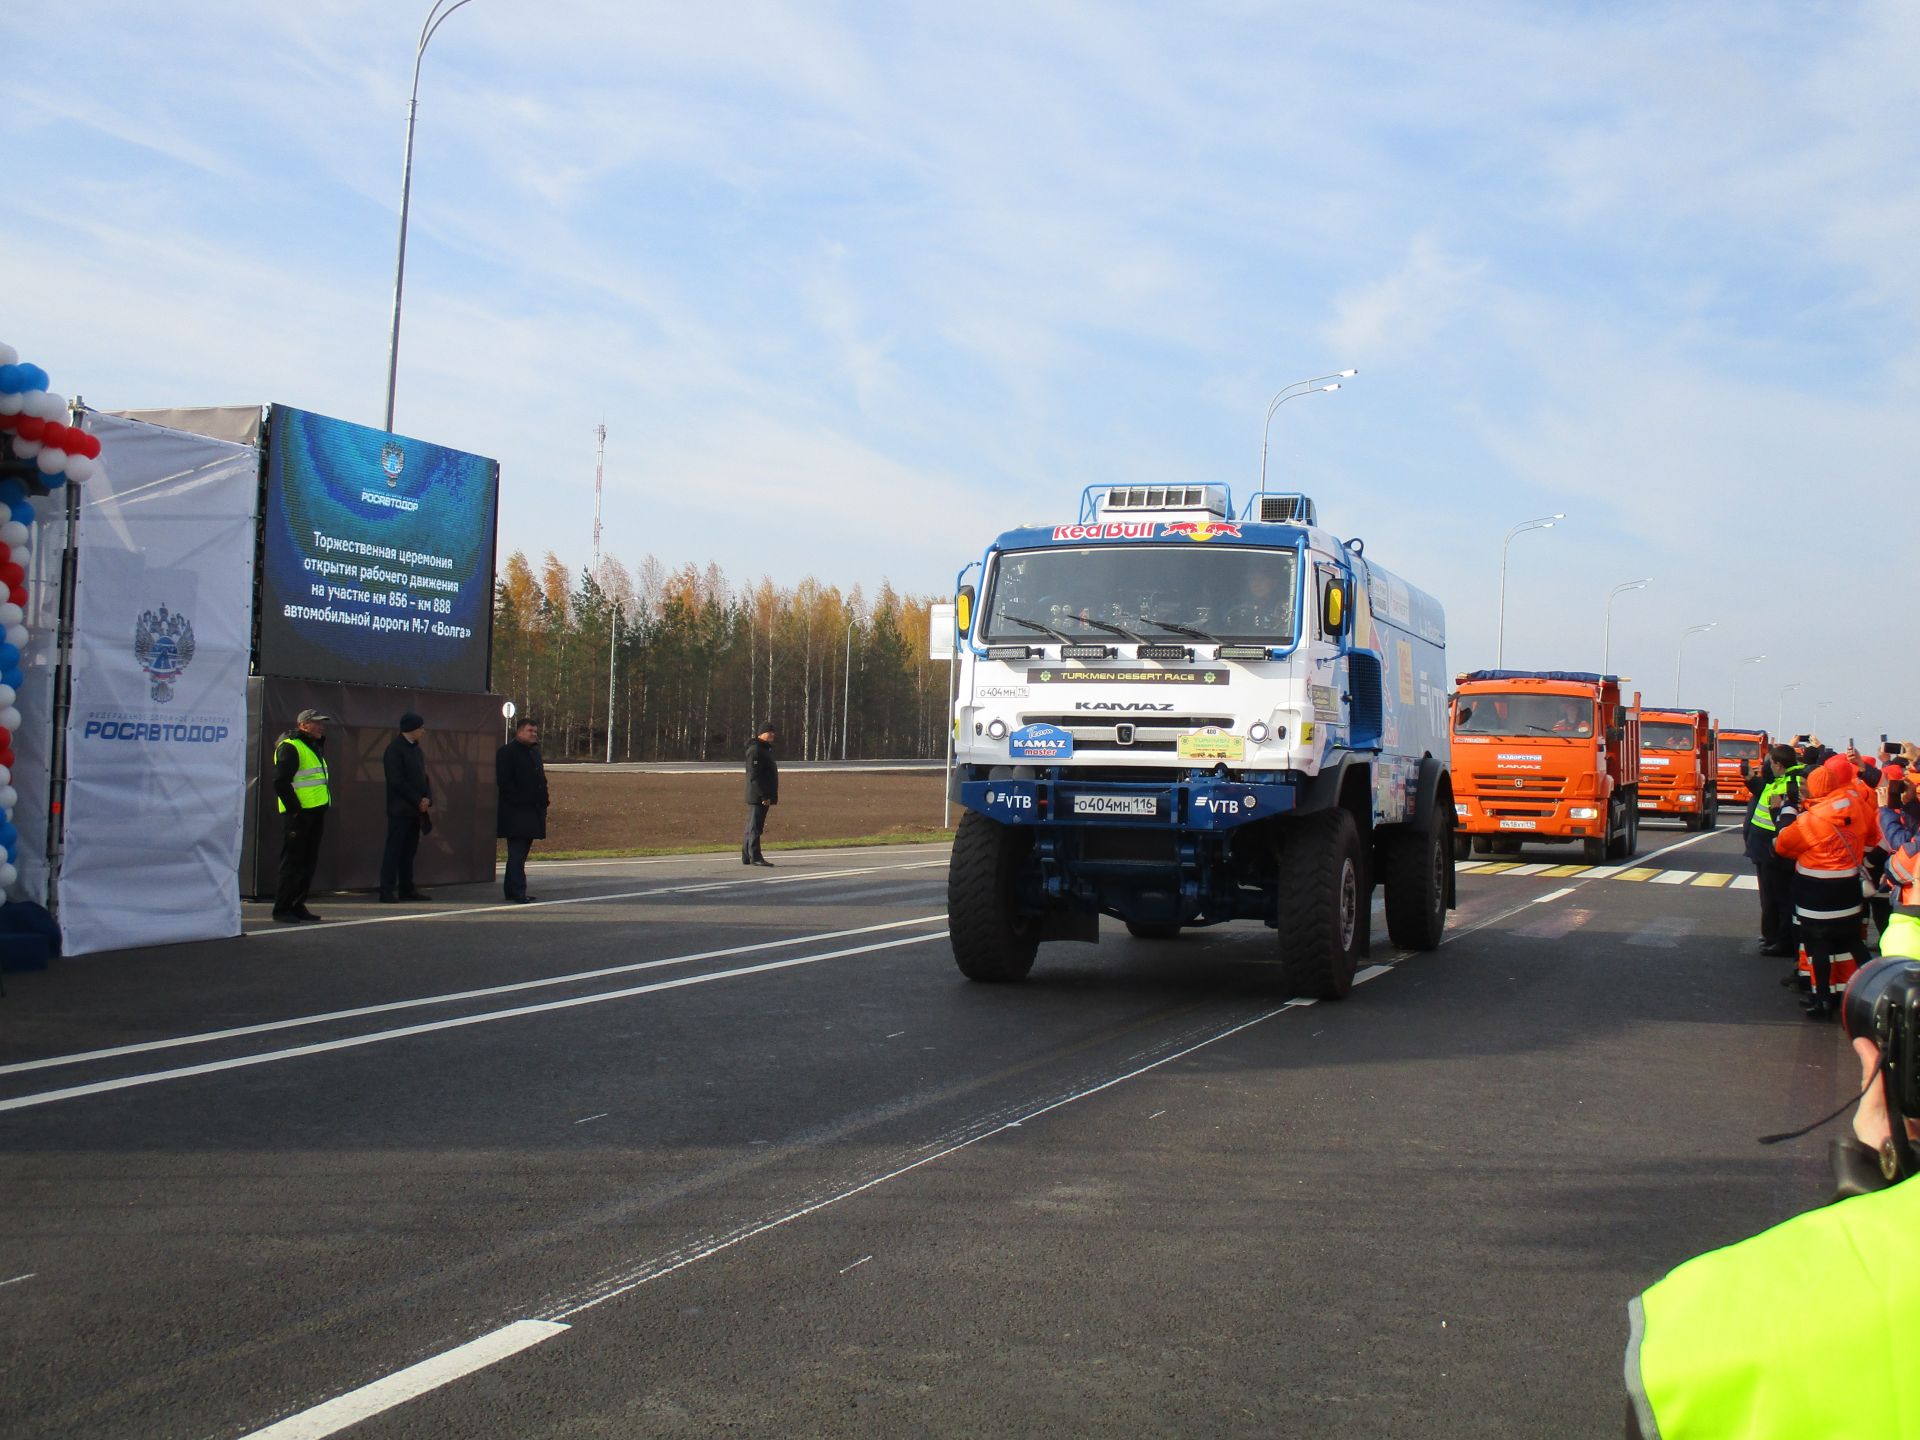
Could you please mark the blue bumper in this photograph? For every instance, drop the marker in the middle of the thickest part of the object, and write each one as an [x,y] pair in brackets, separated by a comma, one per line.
[1205,803]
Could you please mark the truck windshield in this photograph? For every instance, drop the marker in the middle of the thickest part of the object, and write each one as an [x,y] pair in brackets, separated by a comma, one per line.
[1232,592]
[1510,714]
[1737,747]
[1665,735]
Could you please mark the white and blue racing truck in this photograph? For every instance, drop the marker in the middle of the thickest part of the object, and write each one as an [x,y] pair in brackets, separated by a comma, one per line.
[1179,715]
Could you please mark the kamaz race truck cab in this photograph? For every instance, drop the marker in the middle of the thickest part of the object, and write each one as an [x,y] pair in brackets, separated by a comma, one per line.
[1740,755]
[1679,774]
[1179,715]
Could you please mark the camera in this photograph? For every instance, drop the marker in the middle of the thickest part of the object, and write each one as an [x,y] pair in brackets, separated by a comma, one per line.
[1882,1004]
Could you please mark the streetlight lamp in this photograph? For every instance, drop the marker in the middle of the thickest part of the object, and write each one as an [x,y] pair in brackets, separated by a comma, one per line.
[1315,386]
[1733,711]
[1545,522]
[1606,662]
[435,18]
[1780,717]
[1682,653]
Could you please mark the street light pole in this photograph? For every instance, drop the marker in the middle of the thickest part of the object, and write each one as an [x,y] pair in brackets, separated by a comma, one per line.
[1545,522]
[1733,713]
[435,18]
[846,694]
[1780,717]
[1606,661]
[1681,656]
[1294,391]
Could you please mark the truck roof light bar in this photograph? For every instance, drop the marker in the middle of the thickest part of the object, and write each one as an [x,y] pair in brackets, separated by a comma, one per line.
[1141,499]
[1087,652]
[1241,652]
[1013,652]
[1166,652]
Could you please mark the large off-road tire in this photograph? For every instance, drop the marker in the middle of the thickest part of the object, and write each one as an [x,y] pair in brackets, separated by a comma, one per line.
[992,940]
[1462,846]
[1152,932]
[1593,850]
[1324,904]
[1695,823]
[1483,845]
[1418,869]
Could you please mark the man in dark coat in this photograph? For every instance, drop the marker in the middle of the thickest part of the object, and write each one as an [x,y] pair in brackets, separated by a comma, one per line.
[763,793]
[409,807]
[522,778]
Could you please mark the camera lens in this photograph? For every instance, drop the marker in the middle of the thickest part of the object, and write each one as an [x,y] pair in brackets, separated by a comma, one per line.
[1868,1006]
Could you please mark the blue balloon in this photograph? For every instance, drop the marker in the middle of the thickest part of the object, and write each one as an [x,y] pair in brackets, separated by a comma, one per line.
[53,481]
[22,510]
[11,490]
[13,677]
[36,378]
[9,656]
[12,382]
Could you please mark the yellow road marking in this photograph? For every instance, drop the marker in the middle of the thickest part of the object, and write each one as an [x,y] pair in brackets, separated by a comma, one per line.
[1495,867]
[1560,870]
[1642,873]
[1712,882]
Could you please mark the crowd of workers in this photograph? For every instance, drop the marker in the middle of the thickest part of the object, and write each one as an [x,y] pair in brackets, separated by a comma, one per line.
[1835,838]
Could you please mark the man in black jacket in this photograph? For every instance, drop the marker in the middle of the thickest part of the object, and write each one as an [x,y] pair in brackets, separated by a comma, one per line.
[763,793]
[409,806]
[522,778]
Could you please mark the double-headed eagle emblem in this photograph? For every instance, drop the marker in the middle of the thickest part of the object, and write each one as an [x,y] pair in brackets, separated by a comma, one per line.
[163,644]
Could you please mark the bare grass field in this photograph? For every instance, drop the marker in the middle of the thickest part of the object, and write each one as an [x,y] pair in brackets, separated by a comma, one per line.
[628,813]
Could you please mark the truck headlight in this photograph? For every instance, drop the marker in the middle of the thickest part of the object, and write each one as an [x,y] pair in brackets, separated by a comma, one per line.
[1257,732]
[1584,812]
[997,729]
[1460,810]
[1688,799]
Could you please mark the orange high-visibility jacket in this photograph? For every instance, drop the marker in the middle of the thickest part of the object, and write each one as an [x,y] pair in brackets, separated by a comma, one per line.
[1830,837]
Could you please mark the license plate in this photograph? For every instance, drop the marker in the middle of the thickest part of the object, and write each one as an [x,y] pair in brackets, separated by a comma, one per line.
[1519,824]
[1115,805]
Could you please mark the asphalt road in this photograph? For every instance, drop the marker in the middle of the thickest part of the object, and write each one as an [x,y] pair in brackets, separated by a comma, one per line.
[702,1151]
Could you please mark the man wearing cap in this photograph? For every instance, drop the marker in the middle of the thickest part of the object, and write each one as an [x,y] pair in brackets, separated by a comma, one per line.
[763,793]
[409,810]
[300,788]
[521,776]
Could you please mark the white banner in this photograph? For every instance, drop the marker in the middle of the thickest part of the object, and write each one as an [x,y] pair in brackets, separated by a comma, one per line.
[157,726]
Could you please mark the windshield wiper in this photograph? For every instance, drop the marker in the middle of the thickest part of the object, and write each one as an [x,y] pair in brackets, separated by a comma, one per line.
[1186,630]
[1110,629]
[1047,630]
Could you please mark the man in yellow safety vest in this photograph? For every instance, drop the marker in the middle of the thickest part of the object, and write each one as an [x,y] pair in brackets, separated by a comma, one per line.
[300,787]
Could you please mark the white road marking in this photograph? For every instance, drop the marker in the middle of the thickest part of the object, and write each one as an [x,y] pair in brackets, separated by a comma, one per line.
[1555,895]
[1156,1115]
[584,1119]
[693,857]
[18,1278]
[1745,882]
[1674,877]
[1532,869]
[508,908]
[858,1263]
[452,997]
[411,1383]
[353,1042]
[1372,972]
[896,1035]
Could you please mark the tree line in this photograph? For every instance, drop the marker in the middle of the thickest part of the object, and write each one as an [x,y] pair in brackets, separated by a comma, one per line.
[682,664]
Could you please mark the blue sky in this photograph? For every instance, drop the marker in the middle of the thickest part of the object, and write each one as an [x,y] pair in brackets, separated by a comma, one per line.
[855,287]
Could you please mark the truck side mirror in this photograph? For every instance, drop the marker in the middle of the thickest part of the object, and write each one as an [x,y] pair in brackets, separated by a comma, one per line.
[1333,608]
[963,610]
[1616,733]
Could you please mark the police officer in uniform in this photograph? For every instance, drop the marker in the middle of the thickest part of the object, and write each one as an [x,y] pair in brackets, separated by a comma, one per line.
[300,788]
[1776,797]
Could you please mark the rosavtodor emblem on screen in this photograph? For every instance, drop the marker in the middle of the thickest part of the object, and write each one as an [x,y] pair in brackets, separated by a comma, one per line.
[163,644]
[393,459]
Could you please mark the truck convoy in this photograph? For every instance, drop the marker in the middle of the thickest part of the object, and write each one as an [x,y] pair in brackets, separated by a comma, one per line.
[1740,752]
[1678,773]
[1178,714]
[1549,757]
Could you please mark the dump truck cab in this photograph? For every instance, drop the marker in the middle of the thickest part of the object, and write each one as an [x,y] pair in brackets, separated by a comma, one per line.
[1739,754]
[1679,774]
[1545,757]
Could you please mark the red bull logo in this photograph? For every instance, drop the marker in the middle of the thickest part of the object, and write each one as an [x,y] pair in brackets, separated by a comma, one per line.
[1200,531]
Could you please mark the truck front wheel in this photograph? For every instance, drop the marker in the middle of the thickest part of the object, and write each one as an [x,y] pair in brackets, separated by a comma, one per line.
[1417,865]
[1322,910]
[992,940]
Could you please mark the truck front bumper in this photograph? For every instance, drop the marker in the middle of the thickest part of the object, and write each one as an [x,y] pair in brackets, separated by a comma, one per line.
[1203,803]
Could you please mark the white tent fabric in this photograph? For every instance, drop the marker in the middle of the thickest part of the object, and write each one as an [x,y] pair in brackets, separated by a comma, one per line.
[33,741]
[156,728]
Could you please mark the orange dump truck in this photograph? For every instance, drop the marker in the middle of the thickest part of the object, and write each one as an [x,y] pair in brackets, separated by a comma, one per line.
[1678,773]
[1739,751]
[1547,756]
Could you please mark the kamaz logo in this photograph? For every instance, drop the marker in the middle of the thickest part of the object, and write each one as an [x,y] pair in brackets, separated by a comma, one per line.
[1120,705]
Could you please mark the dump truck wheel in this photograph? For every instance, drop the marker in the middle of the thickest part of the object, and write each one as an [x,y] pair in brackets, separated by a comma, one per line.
[1418,868]
[1152,932]
[1593,851]
[1462,847]
[992,940]
[1323,906]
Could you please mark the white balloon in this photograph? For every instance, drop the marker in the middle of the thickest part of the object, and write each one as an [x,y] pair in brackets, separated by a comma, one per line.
[17,636]
[8,355]
[80,467]
[54,405]
[25,449]
[9,797]
[7,697]
[14,533]
[36,404]
[6,776]
[7,876]
[11,614]
[51,461]
[10,719]
[12,404]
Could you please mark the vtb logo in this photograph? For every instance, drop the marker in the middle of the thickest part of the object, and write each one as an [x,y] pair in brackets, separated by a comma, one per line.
[1200,531]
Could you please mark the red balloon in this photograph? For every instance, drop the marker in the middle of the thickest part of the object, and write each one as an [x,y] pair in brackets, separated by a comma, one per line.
[6,739]
[18,594]
[30,427]
[92,452]
[7,422]
[62,437]
[11,574]
[6,758]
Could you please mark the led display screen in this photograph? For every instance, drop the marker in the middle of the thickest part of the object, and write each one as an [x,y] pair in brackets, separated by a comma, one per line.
[376,557]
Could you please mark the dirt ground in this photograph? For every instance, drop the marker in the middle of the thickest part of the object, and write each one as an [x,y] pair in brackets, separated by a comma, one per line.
[629,811]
